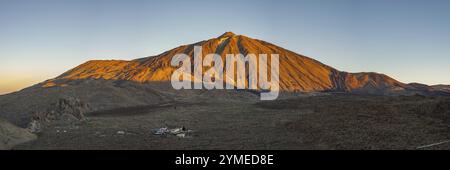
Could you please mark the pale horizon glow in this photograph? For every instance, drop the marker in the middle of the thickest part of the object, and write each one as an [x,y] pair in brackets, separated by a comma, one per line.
[407,40]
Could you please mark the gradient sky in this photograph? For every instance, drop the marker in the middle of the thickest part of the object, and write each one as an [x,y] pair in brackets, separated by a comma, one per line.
[408,40]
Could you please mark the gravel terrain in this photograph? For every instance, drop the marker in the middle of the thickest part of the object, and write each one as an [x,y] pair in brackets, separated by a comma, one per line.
[334,121]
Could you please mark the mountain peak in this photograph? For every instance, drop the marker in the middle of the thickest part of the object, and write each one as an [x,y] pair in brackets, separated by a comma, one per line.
[227,34]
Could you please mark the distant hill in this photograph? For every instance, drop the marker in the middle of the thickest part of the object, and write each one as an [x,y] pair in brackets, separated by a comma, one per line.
[11,135]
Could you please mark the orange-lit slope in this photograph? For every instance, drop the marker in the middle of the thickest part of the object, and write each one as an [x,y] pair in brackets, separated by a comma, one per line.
[297,72]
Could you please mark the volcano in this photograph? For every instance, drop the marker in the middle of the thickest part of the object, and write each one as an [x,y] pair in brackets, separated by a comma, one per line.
[109,84]
[297,72]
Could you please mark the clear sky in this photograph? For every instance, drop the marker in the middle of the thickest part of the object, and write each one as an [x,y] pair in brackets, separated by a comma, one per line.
[406,39]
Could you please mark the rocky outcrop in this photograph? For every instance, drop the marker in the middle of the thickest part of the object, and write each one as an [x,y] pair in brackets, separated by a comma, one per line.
[65,109]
